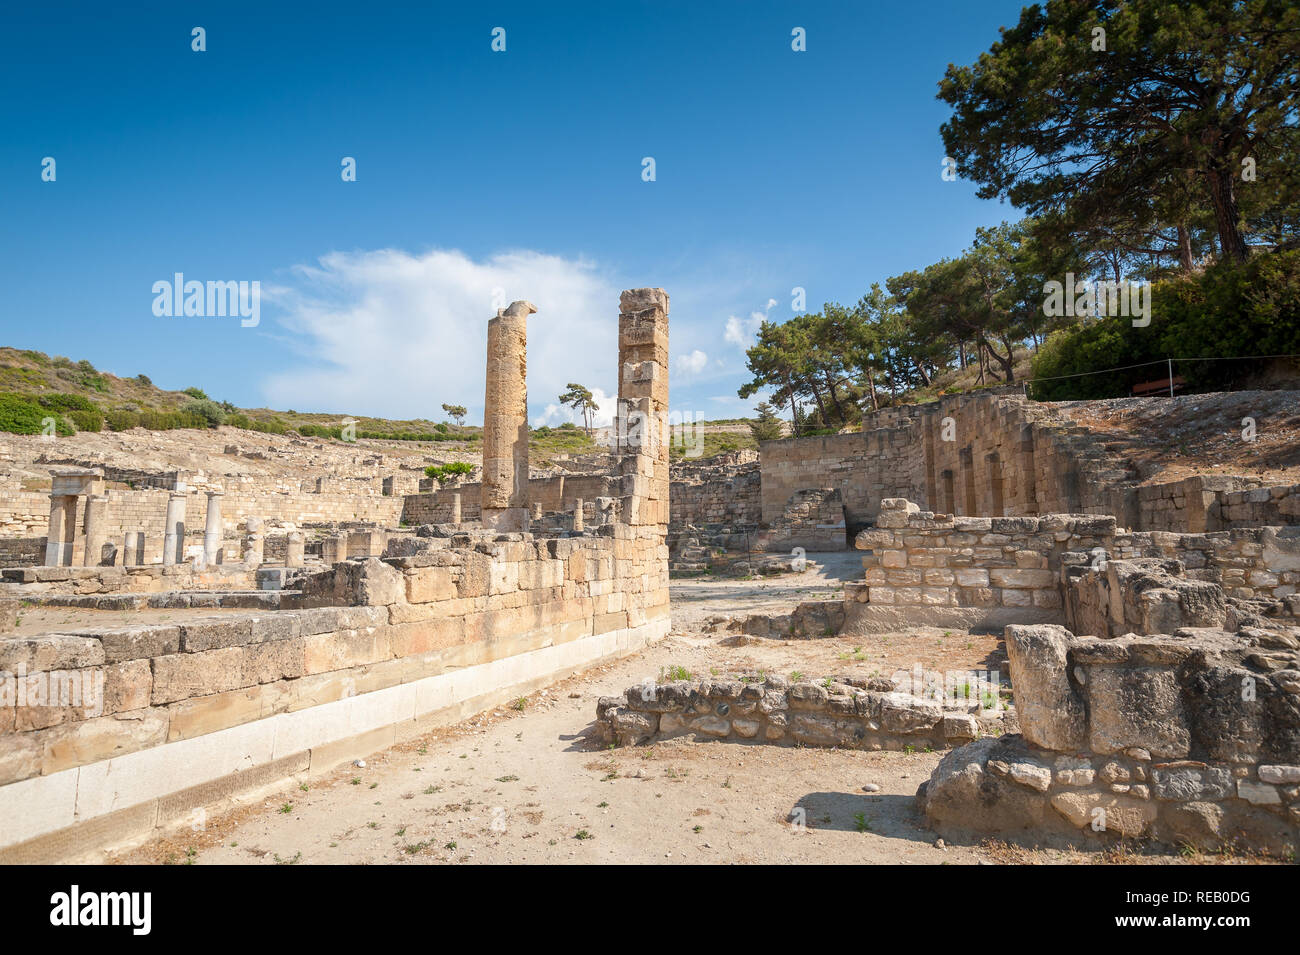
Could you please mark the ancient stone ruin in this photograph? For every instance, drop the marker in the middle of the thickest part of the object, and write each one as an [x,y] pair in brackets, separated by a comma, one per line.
[251,663]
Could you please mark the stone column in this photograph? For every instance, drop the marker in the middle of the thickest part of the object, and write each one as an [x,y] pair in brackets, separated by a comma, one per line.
[537,512]
[641,429]
[336,548]
[578,524]
[253,543]
[96,529]
[294,555]
[54,536]
[455,508]
[70,507]
[131,548]
[212,529]
[505,421]
[174,528]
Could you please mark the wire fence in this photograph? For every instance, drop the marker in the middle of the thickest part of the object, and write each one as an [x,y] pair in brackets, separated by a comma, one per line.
[1167,362]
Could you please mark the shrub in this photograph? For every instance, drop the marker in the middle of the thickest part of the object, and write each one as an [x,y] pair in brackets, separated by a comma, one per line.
[203,408]
[1228,311]
[198,393]
[20,415]
[442,473]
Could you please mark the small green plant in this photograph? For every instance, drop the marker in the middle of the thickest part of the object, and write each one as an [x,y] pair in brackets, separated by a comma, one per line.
[431,790]
[861,821]
[520,704]
[796,676]
[287,808]
[601,805]
[507,779]
[675,672]
[450,846]
[697,829]
[582,834]
[356,780]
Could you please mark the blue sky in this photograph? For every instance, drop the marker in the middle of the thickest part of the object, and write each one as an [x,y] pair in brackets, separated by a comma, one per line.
[476,171]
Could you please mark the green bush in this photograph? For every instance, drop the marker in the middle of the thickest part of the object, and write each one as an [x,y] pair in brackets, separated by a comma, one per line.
[198,393]
[87,420]
[442,473]
[1228,311]
[121,419]
[19,414]
[206,409]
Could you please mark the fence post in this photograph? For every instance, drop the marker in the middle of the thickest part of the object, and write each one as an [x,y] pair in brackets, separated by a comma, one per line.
[1171,376]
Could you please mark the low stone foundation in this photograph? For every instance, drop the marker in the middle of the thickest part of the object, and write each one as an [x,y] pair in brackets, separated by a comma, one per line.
[844,712]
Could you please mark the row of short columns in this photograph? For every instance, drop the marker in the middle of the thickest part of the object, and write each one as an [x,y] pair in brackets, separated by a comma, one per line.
[62,533]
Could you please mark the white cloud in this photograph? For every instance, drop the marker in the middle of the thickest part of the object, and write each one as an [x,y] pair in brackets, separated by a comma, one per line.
[395,335]
[692,364]
[741,331]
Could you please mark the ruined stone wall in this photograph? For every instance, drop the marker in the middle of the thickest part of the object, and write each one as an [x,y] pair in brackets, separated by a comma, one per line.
[558,493]
[865,468]
[1188,740]
[927,568]
[846,712]
[716,494]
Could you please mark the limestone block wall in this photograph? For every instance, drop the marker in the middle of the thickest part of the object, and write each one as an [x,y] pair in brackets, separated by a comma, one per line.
[943,570]
[1188,740]
[1275,505]
[866,468]
[813,520]
[174,716]
[927,568]
[716,494]
[39,581]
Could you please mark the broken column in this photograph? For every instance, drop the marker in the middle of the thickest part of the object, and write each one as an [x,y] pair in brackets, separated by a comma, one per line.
[212,530]
[54,542]
[253,544]
[96,529]
[577,515]
[505,421]
[335,549]
[174,527]
[131,549]
[455,508]
[295,552]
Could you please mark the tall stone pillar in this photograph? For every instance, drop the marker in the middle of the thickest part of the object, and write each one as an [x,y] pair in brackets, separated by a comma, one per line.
[295,553]
[455,508]
[96,529]
[174,528]
[131,549]
[505,421]
[212,529]
[641,431]
[578,524]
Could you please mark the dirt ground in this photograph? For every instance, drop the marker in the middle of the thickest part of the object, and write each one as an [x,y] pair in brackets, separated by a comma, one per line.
[1170,439]
[524,784]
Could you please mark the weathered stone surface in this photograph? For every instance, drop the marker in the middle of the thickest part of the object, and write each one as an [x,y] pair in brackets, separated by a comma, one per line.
[1051,712]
